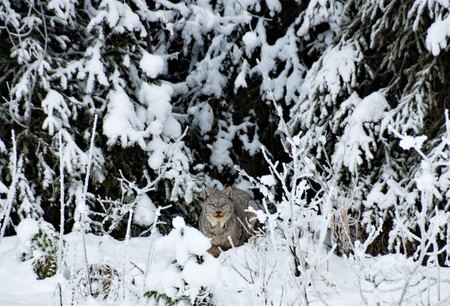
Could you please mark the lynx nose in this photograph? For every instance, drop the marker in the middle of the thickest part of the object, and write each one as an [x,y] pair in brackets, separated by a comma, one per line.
[218,212]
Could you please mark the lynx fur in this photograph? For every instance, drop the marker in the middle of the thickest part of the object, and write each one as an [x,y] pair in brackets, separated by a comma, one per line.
[224,218]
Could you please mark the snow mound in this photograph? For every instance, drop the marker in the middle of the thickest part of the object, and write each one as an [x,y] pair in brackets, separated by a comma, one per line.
[26,230]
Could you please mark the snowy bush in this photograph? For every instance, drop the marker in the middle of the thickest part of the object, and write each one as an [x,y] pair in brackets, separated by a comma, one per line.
[40,243]
[182,271]
[104,283]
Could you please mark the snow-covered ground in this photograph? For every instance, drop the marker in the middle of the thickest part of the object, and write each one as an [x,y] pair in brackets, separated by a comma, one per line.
[254,274]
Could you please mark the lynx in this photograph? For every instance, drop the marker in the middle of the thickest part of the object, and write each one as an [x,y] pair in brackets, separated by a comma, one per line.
[224,218]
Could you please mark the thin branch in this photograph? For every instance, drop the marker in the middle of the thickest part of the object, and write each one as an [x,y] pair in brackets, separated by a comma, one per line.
[12,188]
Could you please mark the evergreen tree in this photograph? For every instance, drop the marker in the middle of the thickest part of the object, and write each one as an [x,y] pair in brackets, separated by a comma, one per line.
[186,91]
[383,77]
[67,62]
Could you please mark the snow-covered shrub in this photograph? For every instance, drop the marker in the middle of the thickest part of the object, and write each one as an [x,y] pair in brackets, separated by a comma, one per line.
[104,283]
[426,231]
[182,272]
[40,243]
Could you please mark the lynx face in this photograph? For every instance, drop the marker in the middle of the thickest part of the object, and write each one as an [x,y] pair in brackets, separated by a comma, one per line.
[218,209]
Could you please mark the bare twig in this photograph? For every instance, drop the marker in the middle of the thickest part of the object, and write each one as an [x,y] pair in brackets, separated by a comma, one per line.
[4,218]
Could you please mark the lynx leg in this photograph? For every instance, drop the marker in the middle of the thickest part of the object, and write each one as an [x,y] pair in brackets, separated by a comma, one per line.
[214,251]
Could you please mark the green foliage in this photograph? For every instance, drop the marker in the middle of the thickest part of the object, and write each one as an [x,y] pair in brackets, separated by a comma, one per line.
[45,266]
[104,282]
[204,298]
[43,251]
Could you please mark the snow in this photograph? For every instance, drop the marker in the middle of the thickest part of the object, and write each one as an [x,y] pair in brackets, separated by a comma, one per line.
[408,142]
[251,41]
[437,35]
[121,122]
[158,149]
[339,67]
[63,8]
[426,180]
[203,117]
[370,109]
[220,156]
[26,230]
[132,123]
[273,5]
[240,79]
[159,110]
[2,147]
[357,141]
[253,146]
[3,188]
[141,113]
[119,16]
[268,180]
[18,283]
[144,212]
[180,267]
[56,110]
[93,68]
[153,65]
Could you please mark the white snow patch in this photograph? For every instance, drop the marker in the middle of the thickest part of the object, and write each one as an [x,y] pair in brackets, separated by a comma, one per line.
[203,117]
[437,35]
[220,156]
[252,146]
[176,270]
[56,110]
[3,188]
[119,16]
[159,110]
[251,42]
[153,65]
[93,68]
[248,275]
[158,148]
[268,180]
[426,180]
[26,230]
[274,6]
[240,79]
[339,66]
[357,141]
[178,223]
[121,122]
[370,109]
[63,8]
[144,212]
[408,142]
[172,128]
[2,146]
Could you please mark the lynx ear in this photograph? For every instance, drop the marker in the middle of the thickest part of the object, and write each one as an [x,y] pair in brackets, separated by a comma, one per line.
[228,191]
[207,192]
